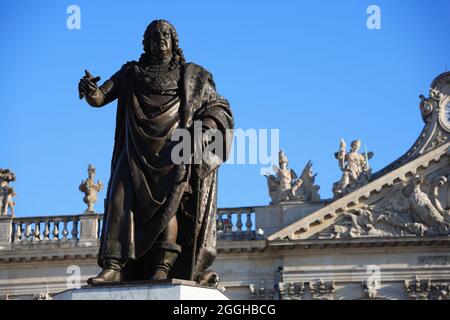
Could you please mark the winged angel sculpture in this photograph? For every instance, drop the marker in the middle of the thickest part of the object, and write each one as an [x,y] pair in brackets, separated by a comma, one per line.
[355,168]
[285,185]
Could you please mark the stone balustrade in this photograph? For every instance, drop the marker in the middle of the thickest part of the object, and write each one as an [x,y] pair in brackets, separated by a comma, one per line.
[232,224]
[236,223]
[51,228]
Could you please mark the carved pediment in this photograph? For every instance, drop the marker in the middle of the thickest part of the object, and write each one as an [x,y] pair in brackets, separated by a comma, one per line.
[405,209]
[410,201]
[435,111]
[410,197]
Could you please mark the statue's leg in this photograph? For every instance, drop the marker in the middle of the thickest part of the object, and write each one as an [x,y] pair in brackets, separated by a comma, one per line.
[116,238]
[165,251]
[171,232]
[345,180]
[354,175]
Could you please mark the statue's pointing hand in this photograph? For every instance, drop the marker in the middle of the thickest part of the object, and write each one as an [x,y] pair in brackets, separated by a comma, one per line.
[87,85]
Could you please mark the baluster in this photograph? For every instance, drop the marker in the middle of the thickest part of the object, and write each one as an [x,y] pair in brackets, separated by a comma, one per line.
[239,222]
[56,230]
[37,231]
[229,222]
[65,232]
[75,230]
[219,222]
[248,224]
[18,236]
[47,231]
[27,231]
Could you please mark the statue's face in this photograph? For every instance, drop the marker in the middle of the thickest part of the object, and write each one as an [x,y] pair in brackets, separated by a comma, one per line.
[355,146]
[160,40]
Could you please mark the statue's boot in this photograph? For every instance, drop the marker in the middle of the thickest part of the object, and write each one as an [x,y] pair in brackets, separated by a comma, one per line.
[112,272]
[164,255]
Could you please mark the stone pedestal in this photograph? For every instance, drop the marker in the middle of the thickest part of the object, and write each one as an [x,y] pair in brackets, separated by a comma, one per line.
[88,228]
[152,290]
[5,231]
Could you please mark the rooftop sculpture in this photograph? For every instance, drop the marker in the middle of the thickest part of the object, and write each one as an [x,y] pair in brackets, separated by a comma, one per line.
[285,185]
[355,168]
[7,192]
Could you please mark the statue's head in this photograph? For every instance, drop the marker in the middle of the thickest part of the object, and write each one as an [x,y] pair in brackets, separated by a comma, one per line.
[283,160]
[356,145]
[91,171]
[7,176]
[161,41]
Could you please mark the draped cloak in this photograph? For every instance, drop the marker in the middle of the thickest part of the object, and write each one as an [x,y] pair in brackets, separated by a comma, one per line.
[145,121]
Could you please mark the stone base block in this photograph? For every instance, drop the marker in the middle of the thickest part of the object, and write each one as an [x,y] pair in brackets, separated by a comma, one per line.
[152,290]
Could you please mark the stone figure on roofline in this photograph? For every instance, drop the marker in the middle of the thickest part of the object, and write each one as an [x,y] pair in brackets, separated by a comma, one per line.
[355,168]
[7,192]
[286,186]
[160,215]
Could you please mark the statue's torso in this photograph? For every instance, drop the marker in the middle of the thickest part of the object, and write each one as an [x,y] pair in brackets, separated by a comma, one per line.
[156,103]
[160,79]
[354,161]
[285,178]
[157,91]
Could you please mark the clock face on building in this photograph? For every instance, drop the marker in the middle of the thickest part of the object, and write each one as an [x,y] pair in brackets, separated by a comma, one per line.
[445,116]
[447,112]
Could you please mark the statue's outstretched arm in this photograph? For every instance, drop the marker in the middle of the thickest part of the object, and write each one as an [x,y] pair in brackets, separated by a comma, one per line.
[102,95]
[99,96]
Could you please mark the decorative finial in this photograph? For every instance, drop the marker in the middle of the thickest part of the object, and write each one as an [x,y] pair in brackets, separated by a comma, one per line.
[90,189]
[91,169]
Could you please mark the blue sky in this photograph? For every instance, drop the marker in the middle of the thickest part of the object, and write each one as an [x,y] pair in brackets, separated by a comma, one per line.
[311,69]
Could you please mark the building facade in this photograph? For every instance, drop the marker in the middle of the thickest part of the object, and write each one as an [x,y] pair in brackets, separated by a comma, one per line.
[384,235]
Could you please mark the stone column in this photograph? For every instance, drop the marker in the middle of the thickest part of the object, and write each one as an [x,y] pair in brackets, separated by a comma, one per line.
[6,230]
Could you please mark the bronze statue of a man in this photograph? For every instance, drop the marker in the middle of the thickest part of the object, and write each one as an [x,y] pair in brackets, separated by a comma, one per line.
[159,219]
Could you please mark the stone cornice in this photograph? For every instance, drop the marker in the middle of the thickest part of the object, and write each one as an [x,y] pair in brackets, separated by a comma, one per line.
[241,246]
[263,246]
[361,242]
[45,251]
[72,250]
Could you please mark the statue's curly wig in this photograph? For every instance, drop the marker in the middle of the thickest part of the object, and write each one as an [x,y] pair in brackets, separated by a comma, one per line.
[178,56]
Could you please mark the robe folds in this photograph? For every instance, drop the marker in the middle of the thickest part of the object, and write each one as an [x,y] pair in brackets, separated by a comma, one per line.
[154,189]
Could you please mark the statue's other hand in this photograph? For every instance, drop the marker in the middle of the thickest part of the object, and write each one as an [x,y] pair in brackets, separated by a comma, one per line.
[87,85]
